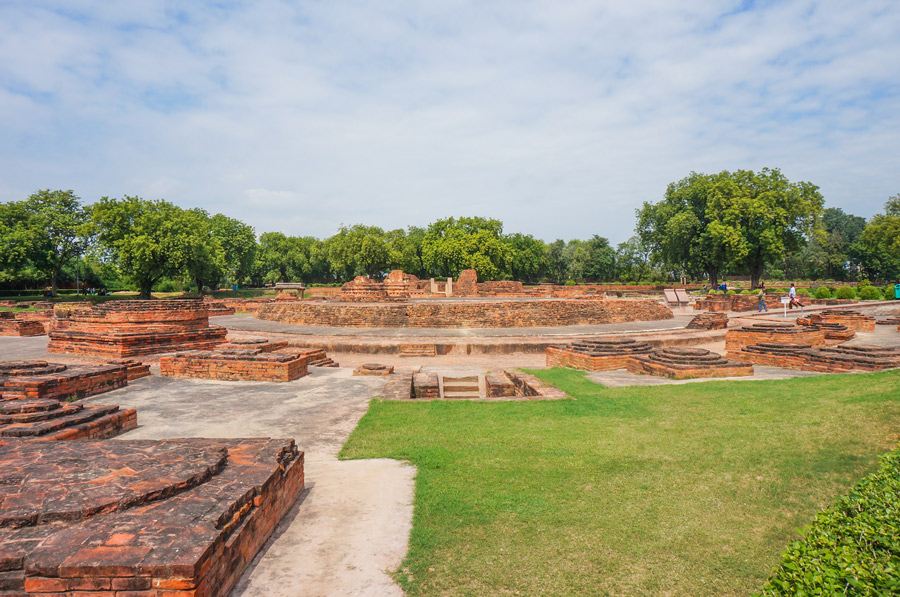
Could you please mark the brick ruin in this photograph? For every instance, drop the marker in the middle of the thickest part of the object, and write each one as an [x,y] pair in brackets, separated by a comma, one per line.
[140,518]
[682,362]
[709,321]
[596,355]
[467,314]
[835,333]
[245,360]
[777,332]
[832,359]
[373,369]
[131,328]
[365,290]
[640,357]
[853,320]
[35,395]
[12,325]
[750,302]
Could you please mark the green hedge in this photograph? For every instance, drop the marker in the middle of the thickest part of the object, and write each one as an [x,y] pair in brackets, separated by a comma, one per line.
[846,292]
[870,293]
[822,292]
[852,548]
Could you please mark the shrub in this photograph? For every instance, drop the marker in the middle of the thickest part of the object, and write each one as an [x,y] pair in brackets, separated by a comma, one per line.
[846,292]
[804,291]
[746,291]
[570,282]
[889,293]
[730,292]
[822,292]
[720,292]
[870,293]
[851,548]
[167,286]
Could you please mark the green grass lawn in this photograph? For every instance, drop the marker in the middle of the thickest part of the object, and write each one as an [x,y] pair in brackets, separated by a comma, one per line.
[689,489]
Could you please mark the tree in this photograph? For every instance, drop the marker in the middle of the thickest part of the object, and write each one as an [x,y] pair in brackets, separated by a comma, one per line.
[238,243]
[406,250]
[16,236]
[600,262]
[452,245]
[879,243]
[557,263]
[677,229]
[757,218]
[633,260]
[148,240]
[524,258]
[359,250]
[59,231]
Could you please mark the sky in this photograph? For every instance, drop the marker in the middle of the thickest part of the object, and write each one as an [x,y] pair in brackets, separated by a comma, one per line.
[558,118]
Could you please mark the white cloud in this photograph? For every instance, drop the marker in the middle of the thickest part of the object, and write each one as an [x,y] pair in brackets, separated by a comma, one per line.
[558,118]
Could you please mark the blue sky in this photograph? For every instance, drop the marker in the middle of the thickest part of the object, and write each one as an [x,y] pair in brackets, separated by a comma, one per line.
[559,118]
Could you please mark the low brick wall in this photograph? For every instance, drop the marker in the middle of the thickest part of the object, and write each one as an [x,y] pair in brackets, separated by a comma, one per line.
[467,314]
[12,325]
[834,359]
[558,356]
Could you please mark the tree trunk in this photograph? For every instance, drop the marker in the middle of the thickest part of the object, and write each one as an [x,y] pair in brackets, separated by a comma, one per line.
[199,284]
[713,277]
[53,287]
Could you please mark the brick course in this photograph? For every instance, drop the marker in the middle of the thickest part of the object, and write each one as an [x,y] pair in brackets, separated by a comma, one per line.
[769,332]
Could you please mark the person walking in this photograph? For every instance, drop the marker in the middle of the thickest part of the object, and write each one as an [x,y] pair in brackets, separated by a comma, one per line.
[792,293]
[762,300]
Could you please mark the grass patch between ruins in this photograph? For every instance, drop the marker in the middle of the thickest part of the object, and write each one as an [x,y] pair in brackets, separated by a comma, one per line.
[689,489]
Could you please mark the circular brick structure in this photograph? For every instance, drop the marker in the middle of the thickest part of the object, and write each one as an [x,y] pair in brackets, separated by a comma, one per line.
[466,313]
[44,482]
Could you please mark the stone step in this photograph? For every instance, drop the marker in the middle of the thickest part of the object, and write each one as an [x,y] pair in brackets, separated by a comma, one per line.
[459,387]
[460,395]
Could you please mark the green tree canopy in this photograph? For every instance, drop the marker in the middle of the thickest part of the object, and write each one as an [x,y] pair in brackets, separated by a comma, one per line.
[879,243]
[147,240]
[452,245]
[58,231]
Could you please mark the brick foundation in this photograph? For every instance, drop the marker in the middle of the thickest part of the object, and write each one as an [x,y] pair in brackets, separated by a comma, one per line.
[40,380]
[467,314]
[773,332]
[596,355]
[131,328]
[833,359]
[11,325]
[687,363]
[709,321]
[140,518]
[237,364]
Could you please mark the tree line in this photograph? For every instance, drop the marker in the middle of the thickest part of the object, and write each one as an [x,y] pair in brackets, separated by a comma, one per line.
[707,226]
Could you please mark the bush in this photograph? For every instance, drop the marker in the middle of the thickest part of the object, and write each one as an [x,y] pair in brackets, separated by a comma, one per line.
[720,292]
[889,293]
[822,292]
[570,282]
[851,548]
[746,291]
[870,293]
[846,292]
[730,292]
[167,286]
[803,291]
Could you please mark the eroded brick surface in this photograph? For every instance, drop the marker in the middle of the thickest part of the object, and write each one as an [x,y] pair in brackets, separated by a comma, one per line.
[596,355]
[143,518]
[832,359]
[773,332]
[686,363]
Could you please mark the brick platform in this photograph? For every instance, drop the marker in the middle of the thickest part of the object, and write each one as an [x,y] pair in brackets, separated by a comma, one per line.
[709,321]
[43,380]
[10,325]
[769,332]
[373,369]
[853,320]
[833,359]
[140,518]
[835,333]
[596,355]
[687,363]
[131,328]
[237,364]
[363,289]
[467,314]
